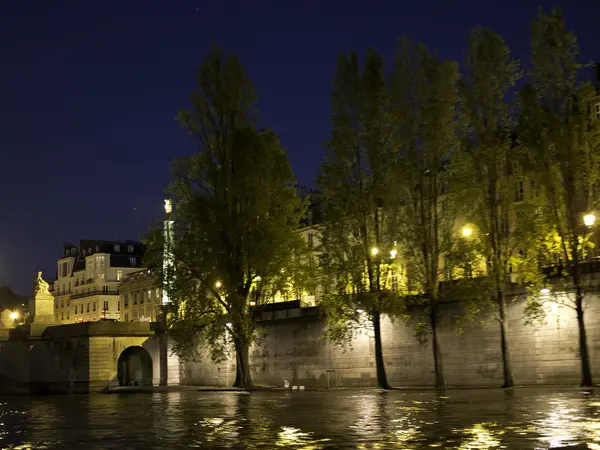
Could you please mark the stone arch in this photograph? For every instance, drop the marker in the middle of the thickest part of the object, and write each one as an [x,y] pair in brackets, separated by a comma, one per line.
[134,367]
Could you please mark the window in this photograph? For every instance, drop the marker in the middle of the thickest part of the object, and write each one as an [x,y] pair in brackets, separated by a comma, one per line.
[68,315]
[62,316]
[62,303]
[132,262]
[69,288]
[597,110]
[119,275]
[117,248]
[75,309]
[519,193]
[141,297]
[88,308]
[130,248]
[149,294]
[310,239]
[105,305]
[94,306]
[118,305]
[105,289]
[126,300]
[157,295]
[135,298]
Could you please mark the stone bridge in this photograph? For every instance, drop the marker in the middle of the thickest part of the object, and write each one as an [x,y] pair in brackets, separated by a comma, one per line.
[89,356]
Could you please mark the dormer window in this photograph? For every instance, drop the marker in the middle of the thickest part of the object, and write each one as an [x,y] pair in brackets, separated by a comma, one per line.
[130,248]
[132,261]
[117,248]
[97,248]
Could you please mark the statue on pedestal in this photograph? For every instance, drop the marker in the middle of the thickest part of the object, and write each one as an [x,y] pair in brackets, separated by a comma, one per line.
[40,286]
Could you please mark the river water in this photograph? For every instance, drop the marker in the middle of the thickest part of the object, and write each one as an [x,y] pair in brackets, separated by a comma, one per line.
[364,419]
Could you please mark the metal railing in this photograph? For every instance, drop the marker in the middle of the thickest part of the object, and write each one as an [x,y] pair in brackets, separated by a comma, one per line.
[95,292]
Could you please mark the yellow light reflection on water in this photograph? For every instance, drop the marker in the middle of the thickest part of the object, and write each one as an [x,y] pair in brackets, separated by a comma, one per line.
[484,435]
[290,437]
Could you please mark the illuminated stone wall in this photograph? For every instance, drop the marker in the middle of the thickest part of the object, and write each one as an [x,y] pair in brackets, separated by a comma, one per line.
[294,350]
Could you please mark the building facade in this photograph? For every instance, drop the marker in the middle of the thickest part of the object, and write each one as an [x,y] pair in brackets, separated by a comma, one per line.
[139,296]
[88,276]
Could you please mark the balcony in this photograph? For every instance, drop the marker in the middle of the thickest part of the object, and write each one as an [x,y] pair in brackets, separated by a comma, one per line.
[95,292]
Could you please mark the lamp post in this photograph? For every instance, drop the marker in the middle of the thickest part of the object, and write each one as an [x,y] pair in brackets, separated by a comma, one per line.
[168,255]
[589,220]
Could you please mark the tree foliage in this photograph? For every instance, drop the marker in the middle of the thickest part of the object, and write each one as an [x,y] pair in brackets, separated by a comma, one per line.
[490,73]
[356,185]
[235,220]
[425,98]
[560,149]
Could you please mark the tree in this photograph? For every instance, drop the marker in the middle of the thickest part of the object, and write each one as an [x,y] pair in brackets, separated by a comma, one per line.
[561,146]
[355,180]
[235,219]
[490,73]
[425,95]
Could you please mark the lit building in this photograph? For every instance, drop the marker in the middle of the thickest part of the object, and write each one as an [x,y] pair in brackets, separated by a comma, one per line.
[88,276]
[139,297]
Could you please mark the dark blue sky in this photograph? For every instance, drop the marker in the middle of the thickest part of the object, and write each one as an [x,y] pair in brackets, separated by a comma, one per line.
[88,92]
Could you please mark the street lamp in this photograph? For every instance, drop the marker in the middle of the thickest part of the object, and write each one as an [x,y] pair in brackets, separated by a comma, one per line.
[14,315]
[589,220]
[467,231]
[168,206]
[218,284]
[374,251]
[393,253]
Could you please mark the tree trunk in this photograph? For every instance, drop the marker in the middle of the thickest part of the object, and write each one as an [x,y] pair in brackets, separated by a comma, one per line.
[440,383]
[508,376]
[242,367]
[584,356]
[381,376]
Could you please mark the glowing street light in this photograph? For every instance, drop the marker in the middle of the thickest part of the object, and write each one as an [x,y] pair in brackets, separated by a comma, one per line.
[589,220]
[467,231]
[14,315]
[374,251]
[545,291]
[218,284]
[228,324]
[168,206]
[393,253]
[359,311]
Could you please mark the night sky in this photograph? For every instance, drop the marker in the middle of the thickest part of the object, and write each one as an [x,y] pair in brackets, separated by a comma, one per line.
[88,93]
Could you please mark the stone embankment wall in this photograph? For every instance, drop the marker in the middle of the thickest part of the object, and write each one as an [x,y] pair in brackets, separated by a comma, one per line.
[294,349]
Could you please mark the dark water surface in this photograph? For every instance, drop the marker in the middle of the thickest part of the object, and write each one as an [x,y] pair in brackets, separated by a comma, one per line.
[364,419]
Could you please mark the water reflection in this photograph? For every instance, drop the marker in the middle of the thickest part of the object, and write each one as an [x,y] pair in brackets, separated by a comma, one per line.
[366,419]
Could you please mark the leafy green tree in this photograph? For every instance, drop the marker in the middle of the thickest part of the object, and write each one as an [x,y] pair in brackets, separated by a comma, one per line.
[236,218]
[425,95]
[560,140]
[356,185]
[490,73]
